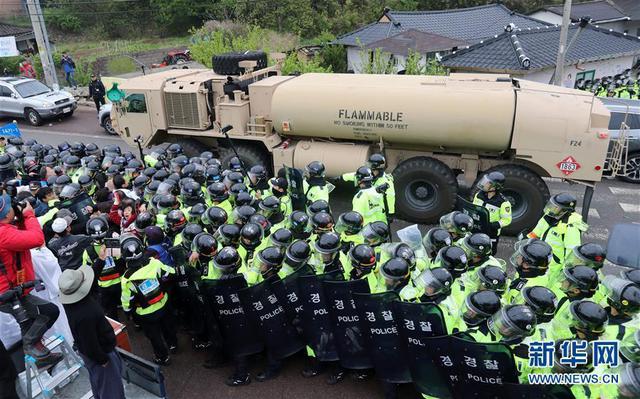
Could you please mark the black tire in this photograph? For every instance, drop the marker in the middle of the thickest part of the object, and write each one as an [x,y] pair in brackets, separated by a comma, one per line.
[425,189]
[108,127]
[249,154]
[68,114]
[632,174]
[191,147]
[33,117]
[528,195]
[227,63]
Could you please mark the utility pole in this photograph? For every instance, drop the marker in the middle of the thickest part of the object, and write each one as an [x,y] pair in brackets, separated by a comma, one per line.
[562,48]
[42,39]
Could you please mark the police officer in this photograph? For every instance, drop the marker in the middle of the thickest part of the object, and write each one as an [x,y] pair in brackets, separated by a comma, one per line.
[458,224]
[561,227]
[362,264]
[300,225]
[228,235]
[251,236]
[395,275]
[370,200]
[315,185]
[490,197]
[107,267]
[271,208]
[530,261]
[476,309]
[258,182]
[174,223]
[297,254]
[378,164]
[349,225]
[218,195]
[541,300]
[326,256]
[623,305]
[213,218]
[279,189]
[433,241]
[143,292]
[582,319]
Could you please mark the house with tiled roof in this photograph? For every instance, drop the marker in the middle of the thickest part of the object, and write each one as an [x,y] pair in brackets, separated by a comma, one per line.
[24,36]
[463,25]
[531,53]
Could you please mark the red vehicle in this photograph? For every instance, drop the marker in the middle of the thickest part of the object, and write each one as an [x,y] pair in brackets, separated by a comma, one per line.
[175,57]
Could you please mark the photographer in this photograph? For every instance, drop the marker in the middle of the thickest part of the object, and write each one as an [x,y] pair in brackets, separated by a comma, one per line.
[16,269]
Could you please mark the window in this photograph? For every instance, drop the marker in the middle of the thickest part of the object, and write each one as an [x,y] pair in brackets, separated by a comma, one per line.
[31,88]
[633,120]
[5,91]
[136,104]
[586,75]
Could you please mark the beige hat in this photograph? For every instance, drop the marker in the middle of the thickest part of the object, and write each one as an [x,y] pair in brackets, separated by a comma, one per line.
[74,285]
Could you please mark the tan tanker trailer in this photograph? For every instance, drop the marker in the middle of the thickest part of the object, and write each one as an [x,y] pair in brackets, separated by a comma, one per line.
[432,129]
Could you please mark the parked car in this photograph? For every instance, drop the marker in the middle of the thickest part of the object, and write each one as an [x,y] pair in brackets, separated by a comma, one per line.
[104,118]
[627,111]
[33,100]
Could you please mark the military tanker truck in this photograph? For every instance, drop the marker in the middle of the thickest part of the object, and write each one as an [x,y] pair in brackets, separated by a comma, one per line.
[434,130]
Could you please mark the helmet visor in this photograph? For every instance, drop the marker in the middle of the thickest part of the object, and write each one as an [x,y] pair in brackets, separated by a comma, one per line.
[431,285]
[371,236]
[501,325]
[485,184]
[554,210]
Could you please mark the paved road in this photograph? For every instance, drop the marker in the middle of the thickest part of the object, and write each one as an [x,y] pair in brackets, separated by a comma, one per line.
[613,202]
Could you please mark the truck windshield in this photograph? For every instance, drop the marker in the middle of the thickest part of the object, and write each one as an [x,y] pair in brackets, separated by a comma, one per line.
[31,88]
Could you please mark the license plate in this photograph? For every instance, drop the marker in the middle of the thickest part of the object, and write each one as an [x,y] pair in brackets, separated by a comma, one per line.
[65,110]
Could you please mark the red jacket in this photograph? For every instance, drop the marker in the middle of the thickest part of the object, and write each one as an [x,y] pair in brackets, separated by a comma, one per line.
[16,241]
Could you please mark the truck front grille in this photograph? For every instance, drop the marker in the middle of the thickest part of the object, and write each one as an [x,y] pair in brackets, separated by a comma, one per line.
[182,110]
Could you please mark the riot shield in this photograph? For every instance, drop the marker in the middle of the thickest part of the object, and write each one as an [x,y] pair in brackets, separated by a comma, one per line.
[508,390]
[479,214]
[280,337]
[79,214]
[316,323]
[385,345]
[418,322]
[296,188]
[345,320]
[286,290]
[239,331]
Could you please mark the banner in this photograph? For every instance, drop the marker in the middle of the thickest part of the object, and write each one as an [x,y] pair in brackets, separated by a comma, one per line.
[479,214]
[385,345]
[296,189]
[345,319]
[316,322]
[240,332]
[280,337]
[10,129]
[8,47]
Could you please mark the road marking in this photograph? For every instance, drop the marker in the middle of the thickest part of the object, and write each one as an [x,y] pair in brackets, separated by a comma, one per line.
[597,233]
[632,208]
[624,191]
[593,212]
[56,133]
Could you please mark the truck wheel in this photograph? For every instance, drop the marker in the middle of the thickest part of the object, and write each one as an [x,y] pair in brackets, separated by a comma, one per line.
[425,189]
[33,117]
[249,154]
[192,148]
[227,63]
[632,174]
[528,195]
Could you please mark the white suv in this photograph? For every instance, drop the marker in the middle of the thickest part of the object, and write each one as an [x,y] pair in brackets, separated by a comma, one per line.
[33,100]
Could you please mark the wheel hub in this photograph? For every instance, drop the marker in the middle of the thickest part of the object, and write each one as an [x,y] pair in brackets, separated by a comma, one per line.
[422,192]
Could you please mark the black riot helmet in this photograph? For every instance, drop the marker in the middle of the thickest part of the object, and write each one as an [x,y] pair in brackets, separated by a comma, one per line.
[134,165]
[631,275]
[227,260]
[217,192]
[629,381]
[297,253]
[191,193]
[457,223]
[149,172]
[113,170]
[196,212]
[587,319]
[190,232]
[144,220]
[512,323]
[131,247]
[243,198]
[270,206]
[452,258]
[363,258]
[436,239]
[588,254]
[111,150]
[404,251]
[178,163]
[97,228]
[328,243]
[492,278]
[70,191]
[72,162]
[270,258]
[241,214]
[560,205]
[77,149]
[60,183]
[492,181]
[377,163]
[479,306]
[213,218]
[281,238]
[364,177]
[151,189]
[235,165]
[174,150]
[318,206]
[263,222]
[251,236]
[542,300]
[203,243]
[395,271]
[50,161]
[174,222]
[375,233]
[212,174]
[195,171]
[206,155]
[161,175]
[233,178]
[623,295]
[349,223]
[92,149]
[531,257]
[64,146]
[435,282]
[322,222]
[579,281]
[167,203]
[257,173]
[228,235]
[477,246]
[315,169]
[300,225]
[140,182]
